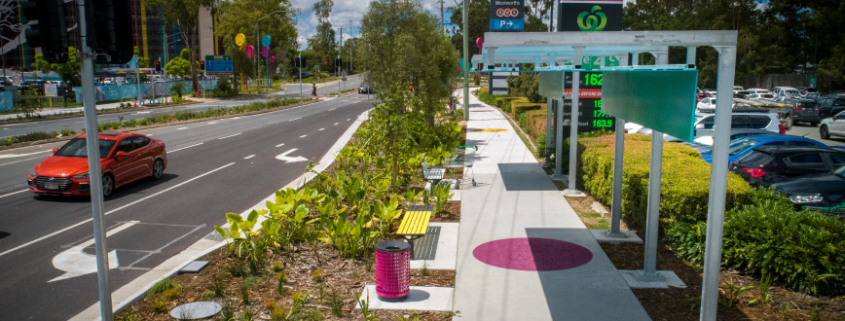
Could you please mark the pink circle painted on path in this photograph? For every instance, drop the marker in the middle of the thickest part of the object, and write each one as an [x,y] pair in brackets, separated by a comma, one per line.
[533,254]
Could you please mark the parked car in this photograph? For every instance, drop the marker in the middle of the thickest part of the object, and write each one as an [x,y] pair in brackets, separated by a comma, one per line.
[742,94]
[707,140]
[769,165]
[767,96]
[834,126]
[704,123]
[805,110]
[815,192]
[788,92]
[831,105]
[759,90]
[737,88]
[815,96]
[305,74]
[707,103]
[743,145]
[124,157]
[364,90]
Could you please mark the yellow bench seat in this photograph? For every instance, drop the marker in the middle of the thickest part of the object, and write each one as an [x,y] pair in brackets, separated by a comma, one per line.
[415,221]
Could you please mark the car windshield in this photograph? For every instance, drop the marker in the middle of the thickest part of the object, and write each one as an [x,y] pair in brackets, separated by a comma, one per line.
[77,147]
[740,145]
[792,93]
[840,171]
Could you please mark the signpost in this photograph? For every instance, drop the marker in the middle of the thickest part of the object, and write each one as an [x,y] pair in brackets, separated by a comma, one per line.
[265,41]
[219,65]
[507,15]
[240,39]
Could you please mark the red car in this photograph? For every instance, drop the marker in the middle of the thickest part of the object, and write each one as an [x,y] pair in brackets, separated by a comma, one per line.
[124,157]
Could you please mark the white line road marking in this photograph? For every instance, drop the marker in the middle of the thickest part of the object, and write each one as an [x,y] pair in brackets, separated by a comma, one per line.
[74,262]
[186,147]
[182,128]
[23,155]
[348,119]
[13,193]
[285,158]
[280,145]
[224,137]
[303,136]
[250,156]
[212,122]
[336,124]
[332,109]
[322,129]
[110,212]
[142,112]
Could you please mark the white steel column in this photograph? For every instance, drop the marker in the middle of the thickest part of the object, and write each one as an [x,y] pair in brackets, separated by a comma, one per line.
[653,208]
[573,129]
[718,184]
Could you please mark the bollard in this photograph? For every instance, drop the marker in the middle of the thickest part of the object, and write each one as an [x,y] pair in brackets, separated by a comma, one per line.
[393,270]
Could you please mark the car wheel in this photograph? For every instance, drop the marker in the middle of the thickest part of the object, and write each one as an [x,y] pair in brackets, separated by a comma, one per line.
[108,185]
[823,132]
[158,169]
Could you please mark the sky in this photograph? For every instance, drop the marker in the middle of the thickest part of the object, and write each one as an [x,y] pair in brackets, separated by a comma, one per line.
[347,13]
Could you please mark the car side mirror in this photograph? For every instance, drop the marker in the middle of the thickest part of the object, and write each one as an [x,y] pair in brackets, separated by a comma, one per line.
[55,150]
[119,154]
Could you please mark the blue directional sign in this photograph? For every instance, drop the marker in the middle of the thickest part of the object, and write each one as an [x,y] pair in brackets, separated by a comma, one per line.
[218,67]
[507,24]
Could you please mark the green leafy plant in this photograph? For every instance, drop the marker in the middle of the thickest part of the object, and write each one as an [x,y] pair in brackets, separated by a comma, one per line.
[163,285]
[245,242]
[299,299]
[335,302]
[732,292]
[365,309]
[441,196]
[248,283]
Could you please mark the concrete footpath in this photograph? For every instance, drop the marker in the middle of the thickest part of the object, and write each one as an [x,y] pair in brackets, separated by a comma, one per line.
[523,253]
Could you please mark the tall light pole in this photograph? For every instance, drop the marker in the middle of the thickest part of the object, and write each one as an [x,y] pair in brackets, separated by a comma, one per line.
[466,59]
[258,43]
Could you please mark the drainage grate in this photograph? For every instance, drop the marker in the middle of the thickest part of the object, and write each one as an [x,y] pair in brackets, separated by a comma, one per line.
[426,247]
[214,236]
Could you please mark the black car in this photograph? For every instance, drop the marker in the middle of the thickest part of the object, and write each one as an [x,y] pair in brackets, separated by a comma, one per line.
[831,105]
[805,110]
[818,192]
[364,90]
[305,74]
[770,165]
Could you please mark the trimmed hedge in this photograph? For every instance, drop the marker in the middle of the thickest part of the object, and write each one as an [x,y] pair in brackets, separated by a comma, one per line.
[522,106]
[685,181]
[802,249]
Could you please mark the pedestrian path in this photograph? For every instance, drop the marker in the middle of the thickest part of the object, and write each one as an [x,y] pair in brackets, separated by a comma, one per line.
[523,253]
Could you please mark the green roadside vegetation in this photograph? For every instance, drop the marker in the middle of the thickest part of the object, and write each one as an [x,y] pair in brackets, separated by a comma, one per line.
[158,119]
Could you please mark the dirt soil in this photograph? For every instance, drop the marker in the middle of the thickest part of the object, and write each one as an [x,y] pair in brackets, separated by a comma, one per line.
[584,207]
[451,214]
[316,269]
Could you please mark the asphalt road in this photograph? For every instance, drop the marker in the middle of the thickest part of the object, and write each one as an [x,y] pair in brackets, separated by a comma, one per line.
[77,123]
[214,167]
[812,132]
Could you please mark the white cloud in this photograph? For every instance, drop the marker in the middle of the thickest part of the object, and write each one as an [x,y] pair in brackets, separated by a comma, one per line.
[346,13]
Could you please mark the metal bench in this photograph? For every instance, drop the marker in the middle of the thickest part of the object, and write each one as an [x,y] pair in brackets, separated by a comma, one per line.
[415,223]
[432,174]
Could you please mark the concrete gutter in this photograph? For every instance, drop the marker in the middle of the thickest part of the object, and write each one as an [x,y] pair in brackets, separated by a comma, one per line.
[134,291]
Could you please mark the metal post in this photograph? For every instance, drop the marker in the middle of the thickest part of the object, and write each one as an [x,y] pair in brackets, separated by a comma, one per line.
[267,61]
[616,205]
[340,65]
[138,74]
[653,208]
[94,170]
[718,184]
[300,76]
[549,106]
[467,63]
[258,50]
[573,131]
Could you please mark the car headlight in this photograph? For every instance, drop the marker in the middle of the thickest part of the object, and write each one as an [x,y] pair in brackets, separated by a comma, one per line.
[81,176]
[804,199]
[32,172]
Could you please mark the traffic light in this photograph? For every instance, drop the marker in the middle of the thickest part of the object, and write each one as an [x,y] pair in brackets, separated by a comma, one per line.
[158,66]
[296,62]
[303,62]
[109,25]
[202,65]
[50,32]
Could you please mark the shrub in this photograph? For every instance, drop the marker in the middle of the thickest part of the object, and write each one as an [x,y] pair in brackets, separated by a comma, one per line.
[685,181]
[802,249]
[522,120]
[225,88]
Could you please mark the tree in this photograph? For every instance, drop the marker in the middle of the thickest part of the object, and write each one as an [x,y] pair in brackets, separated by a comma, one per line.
[180,66]
[402,45]
[185,15]
[479,23]
[239,16]
[70,71]
[324,41]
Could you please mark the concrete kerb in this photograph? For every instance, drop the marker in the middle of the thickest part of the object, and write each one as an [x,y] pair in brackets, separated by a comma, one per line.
[204,246]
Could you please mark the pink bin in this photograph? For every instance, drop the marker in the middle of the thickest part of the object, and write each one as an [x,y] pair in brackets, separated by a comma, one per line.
[393,270]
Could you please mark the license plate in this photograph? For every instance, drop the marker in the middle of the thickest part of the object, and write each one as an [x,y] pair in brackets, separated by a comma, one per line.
[51,185]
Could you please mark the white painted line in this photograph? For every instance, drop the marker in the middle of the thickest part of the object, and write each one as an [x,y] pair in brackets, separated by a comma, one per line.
[186,147]
[182,128]
[322,129]
[13,193]
[280,145]
[303,136]
[23,155]
[348,119]
[109,212]
[250,156]
[212,122]
[236,118]
[336,124]
[142,112]
[224,137]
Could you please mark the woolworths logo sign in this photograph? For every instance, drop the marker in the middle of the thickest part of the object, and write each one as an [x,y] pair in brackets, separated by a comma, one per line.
[593,20]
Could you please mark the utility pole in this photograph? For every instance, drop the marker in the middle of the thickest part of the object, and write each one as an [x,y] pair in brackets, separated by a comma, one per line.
[466,59]
[340,64]
[442,25]
[94,171]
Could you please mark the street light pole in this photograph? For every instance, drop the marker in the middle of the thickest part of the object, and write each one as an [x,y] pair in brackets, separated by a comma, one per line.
[466,59]
[258,43]
[94,170]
